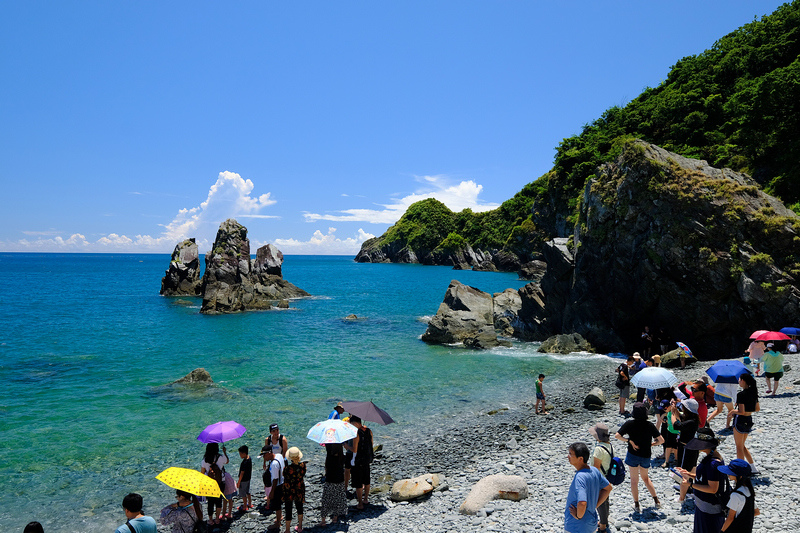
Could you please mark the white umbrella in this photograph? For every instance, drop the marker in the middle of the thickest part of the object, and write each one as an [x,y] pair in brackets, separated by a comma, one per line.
[332,431]
[654,377]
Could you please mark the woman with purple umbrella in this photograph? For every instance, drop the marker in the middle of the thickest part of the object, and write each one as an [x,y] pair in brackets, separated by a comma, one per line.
[212,457]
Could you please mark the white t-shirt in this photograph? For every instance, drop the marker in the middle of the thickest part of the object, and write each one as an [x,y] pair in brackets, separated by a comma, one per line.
[221,461]
[737,499]
[727,389]
[276,468]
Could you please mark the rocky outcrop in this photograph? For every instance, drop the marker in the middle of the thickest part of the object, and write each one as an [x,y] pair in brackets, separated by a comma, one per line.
[182,278]
[566,344]
[232,283]
[533,270]
[506,306]
[663,240]
[465,317]
[198,375]
[494,487]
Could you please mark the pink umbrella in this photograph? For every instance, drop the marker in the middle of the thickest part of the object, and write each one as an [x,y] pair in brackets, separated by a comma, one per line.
[755,334]
[773,336]
[221,432]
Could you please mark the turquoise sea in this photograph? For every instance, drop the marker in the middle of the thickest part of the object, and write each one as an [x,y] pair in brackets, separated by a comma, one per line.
[87,343]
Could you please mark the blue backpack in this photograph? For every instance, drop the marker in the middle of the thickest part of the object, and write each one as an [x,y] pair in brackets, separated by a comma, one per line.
[616,471]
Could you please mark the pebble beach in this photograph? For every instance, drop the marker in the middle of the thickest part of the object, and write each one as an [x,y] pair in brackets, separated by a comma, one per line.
[514,440]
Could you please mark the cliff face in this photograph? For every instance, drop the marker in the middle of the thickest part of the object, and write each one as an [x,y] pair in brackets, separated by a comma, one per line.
[232,284]
[663,240]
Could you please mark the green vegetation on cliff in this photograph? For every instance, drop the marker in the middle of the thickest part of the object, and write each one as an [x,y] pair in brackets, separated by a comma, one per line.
[736,105]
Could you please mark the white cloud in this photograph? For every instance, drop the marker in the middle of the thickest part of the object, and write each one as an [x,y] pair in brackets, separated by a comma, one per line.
[457,197]
[324,243]
[229,197]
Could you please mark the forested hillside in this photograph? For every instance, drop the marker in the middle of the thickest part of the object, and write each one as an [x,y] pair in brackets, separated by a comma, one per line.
[735,105]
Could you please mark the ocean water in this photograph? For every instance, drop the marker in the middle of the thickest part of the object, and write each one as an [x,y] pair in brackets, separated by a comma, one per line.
[87,348]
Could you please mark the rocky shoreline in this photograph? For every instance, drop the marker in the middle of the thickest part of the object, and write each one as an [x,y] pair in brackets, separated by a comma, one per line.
[466,448]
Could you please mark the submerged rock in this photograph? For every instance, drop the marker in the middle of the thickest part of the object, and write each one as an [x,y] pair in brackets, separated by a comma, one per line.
[182,278]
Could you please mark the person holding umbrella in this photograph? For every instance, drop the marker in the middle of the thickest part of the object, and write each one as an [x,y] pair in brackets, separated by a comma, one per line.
[746,404]
[183,514]
[212,466]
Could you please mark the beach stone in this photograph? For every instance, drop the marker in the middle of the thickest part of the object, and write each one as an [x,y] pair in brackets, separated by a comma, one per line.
[496,486]
[411,489]
[595,400]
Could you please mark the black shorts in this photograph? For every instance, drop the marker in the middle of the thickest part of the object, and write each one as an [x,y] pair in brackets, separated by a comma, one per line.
[774,375]
[276,499]
[359,475]
[743,424]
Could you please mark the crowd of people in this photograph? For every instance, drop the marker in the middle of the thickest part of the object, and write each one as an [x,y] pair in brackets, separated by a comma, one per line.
[679,420]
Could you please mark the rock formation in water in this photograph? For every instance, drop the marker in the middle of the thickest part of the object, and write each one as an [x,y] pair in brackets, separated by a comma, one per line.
[182,278]
[465,316]
[663,240]
[232,283]
[198,375]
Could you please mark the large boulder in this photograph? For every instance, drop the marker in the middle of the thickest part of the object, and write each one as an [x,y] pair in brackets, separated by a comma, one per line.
[182,278]
[414,488]
[494,487]
[232,284]
[664,240]
[464,317]
[566,344]
[595,400]
[506,307]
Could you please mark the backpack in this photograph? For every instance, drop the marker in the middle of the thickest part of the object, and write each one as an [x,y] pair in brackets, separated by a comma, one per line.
[267,475]
[216,474]
[616,470]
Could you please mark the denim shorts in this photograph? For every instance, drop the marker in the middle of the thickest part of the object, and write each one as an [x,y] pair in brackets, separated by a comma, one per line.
[720,398]
[635,460]
[540,396]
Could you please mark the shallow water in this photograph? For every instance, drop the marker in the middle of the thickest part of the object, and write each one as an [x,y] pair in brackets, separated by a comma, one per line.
[87,345]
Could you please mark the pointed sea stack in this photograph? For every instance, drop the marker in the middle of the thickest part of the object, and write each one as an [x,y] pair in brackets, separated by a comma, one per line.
[232,283]
[182,278]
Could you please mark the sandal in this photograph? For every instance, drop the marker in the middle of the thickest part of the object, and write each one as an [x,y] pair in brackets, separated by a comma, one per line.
[636,507]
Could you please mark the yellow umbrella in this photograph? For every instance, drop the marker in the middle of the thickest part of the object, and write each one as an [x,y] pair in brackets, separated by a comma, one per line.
[190,481]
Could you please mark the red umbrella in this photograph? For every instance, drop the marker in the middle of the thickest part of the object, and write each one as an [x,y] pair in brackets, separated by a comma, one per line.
[773,336]
[755,334]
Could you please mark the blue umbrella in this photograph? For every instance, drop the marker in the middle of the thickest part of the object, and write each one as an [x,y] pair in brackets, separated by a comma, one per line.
[790,331]
[727,371]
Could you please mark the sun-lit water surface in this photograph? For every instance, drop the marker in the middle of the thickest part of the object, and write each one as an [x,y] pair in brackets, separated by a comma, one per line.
[87,345]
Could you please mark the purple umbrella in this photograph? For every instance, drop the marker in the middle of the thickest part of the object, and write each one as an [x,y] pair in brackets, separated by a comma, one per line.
[221,432]
[368,411]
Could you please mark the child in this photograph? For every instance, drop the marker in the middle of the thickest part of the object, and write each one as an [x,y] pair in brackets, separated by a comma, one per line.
[741,504]
[230,492]
[540,396]
[243,483]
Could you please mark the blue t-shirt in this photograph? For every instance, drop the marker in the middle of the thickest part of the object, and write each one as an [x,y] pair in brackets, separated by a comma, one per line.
[585,487]
[143,524]
[334,415]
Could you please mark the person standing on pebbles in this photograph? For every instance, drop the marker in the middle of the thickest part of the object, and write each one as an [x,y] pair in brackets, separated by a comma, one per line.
[601,458]
[623,383]
[588,490]
[642,435]
[746,404]
[773,367]
[540,396]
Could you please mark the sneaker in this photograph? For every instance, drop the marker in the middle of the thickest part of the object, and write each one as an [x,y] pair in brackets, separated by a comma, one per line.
[754,471]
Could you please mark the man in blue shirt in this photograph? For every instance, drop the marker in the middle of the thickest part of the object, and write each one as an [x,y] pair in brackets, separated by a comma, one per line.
[337,412]
[589,488]
[137,521]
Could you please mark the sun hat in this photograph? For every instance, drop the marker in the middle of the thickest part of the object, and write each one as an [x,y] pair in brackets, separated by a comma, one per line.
[770,345]
[737,467]
[691,405]
[636,355]
[599,431]
[704,439]
[294,454]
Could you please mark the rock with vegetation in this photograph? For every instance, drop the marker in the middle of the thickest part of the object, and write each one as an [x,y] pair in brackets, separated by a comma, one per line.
[182,278]
[464,317]
[672,359]
[662,239]
[232,284]
[566,344]
[198,375]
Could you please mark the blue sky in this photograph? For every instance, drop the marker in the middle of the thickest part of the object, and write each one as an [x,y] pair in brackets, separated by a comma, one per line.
[128,126]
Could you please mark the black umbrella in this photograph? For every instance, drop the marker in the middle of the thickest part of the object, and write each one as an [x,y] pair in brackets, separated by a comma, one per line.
[368,412]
